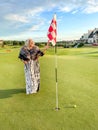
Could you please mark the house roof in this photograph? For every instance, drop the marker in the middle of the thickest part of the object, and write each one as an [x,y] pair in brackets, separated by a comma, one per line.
[91,34]
[95,31]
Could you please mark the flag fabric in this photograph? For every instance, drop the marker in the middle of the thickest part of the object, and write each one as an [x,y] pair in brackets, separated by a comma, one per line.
[52,31]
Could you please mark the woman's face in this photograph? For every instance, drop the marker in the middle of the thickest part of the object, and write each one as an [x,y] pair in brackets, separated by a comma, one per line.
[31,43]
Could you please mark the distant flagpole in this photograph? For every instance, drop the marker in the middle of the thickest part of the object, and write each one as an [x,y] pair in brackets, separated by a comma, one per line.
[52,35]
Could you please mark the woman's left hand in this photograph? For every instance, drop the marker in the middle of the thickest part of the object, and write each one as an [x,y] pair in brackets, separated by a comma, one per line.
[46,47]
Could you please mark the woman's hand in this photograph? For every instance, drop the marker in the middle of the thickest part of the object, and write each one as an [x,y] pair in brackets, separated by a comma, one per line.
[46,47]
[25,62]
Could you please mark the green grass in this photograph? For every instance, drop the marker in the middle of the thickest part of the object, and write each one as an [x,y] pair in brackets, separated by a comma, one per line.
[77,84]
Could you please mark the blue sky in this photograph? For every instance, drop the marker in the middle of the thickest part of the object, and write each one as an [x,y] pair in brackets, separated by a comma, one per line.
[22,19]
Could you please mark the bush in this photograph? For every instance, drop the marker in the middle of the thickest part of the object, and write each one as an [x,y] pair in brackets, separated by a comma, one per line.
[78,45]
[74,44]
[81,44]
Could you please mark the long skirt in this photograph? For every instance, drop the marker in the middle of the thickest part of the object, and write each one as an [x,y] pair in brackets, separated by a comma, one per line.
[32,76]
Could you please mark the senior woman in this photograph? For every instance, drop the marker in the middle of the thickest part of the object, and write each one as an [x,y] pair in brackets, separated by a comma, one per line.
[29,54]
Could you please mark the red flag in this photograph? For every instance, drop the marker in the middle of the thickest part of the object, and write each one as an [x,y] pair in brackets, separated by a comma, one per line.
[52,31]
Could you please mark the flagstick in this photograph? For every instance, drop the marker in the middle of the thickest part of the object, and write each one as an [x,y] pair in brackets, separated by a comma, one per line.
[57,107]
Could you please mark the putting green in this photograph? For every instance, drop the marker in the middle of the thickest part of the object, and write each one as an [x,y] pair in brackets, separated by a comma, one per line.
[77,85]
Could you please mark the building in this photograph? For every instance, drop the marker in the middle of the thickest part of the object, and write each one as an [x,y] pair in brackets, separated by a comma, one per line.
[84,38]
[95,35]
[90,37]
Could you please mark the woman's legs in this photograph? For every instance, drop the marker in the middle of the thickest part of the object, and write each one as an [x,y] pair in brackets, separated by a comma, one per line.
[35,69]
[32,76]
[28,78]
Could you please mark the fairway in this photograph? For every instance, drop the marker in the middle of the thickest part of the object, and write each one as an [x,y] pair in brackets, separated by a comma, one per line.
[77,85]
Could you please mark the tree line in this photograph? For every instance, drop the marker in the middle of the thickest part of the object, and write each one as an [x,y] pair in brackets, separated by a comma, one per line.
[13,43]
[65,44]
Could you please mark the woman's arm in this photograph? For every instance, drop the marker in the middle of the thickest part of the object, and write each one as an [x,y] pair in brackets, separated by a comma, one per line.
[41,52]
[46,47]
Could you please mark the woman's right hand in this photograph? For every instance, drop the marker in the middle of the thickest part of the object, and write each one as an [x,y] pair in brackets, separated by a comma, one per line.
[25,62]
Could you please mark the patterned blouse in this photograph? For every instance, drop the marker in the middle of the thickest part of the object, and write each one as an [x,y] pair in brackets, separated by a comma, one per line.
[30,54]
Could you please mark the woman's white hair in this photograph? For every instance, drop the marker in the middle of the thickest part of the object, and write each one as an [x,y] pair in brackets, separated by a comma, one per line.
[27,42]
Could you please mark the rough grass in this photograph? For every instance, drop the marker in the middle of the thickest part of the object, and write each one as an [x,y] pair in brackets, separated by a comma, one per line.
[77,84]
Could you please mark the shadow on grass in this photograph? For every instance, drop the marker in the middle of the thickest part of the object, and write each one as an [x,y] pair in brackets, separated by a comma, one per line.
[10,92]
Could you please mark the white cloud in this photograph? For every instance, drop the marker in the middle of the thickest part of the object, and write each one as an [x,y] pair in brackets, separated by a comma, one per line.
[92,2]
[17,18]
[35,11]
[65,9]
[36,27]
[91,7]
[75,11]
[24,16]
[71,5]
[82,6]
[24,36]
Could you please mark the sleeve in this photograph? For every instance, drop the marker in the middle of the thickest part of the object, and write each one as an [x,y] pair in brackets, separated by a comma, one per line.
[20,56]
[39,52]
[23,55]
